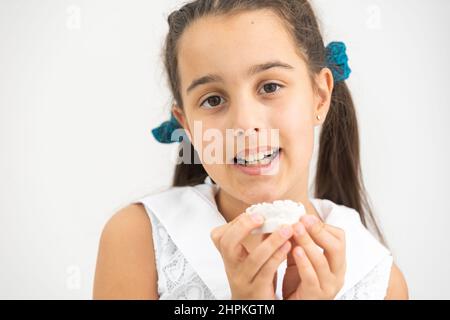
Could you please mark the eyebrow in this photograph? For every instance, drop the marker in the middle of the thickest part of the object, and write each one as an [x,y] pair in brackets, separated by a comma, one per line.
[253,70]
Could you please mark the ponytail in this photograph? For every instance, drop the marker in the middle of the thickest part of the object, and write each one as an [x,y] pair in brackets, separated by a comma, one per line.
[191,173]
[339,176]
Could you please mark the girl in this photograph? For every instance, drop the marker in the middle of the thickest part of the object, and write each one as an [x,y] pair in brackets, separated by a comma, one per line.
[252,66]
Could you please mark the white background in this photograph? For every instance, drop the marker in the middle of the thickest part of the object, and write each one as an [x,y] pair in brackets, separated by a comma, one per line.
[82,85]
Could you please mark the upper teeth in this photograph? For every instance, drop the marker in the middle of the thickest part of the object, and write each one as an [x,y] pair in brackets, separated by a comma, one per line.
[258,156]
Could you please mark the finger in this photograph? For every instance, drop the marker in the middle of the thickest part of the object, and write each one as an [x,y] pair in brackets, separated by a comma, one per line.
[338,266]
[259,255]
[335,231]
[217,233]
[333,246]
[270,267]
[317,231]
[308,276]
[230,243]
[317,258]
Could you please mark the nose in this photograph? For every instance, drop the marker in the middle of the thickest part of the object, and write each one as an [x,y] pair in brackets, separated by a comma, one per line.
[239,132]
[247,118]
[247,121]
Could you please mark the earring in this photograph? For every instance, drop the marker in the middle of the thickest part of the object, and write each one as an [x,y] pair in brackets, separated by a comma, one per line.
[319,117]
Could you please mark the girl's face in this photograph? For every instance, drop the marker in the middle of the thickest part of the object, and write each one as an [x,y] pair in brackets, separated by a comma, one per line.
[279,96]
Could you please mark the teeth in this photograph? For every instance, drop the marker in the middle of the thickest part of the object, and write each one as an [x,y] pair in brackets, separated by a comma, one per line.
[259,157]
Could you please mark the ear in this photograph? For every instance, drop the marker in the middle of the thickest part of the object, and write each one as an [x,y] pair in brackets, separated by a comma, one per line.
[178,113]
[324,90]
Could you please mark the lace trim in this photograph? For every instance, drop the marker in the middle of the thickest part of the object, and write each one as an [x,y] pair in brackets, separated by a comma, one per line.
[374,285]
[176,278]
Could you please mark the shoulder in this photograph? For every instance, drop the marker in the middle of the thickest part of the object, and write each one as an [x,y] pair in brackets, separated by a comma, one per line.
[397,288]
[126,259]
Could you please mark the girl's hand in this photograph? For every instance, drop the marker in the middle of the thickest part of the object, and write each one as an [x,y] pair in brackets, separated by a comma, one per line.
[311,274]
[251,275]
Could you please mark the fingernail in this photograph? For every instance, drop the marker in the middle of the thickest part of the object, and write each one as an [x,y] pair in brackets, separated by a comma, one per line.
[300,229]
[285,231]
[299,252]
[257,218]
[310,220]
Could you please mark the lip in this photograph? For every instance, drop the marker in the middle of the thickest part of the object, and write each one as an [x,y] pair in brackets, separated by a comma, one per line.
[261,169]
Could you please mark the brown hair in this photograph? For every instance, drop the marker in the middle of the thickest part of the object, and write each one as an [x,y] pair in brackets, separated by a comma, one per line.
[338,176]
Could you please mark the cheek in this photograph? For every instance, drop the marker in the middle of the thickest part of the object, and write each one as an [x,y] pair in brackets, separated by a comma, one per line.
[297,132]
[208,135]
[209,138]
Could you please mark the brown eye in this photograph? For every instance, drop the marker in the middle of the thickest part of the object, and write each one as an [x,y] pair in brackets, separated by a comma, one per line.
[271,87]
[213,102]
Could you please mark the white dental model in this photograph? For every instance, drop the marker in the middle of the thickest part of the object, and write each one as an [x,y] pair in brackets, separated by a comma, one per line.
[276,214]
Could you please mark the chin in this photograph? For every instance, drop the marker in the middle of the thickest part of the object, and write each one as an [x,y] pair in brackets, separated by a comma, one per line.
[259,193]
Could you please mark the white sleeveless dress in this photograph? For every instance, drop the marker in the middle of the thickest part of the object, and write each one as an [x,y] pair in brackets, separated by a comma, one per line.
[190,267]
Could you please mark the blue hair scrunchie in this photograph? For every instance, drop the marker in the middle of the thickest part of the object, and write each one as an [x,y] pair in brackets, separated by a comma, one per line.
[336,60]
[163,133]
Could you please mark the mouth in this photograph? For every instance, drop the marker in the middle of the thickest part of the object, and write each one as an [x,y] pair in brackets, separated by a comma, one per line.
[261,159]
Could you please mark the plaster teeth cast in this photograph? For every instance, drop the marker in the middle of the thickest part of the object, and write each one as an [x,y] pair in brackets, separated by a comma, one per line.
[276,214]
